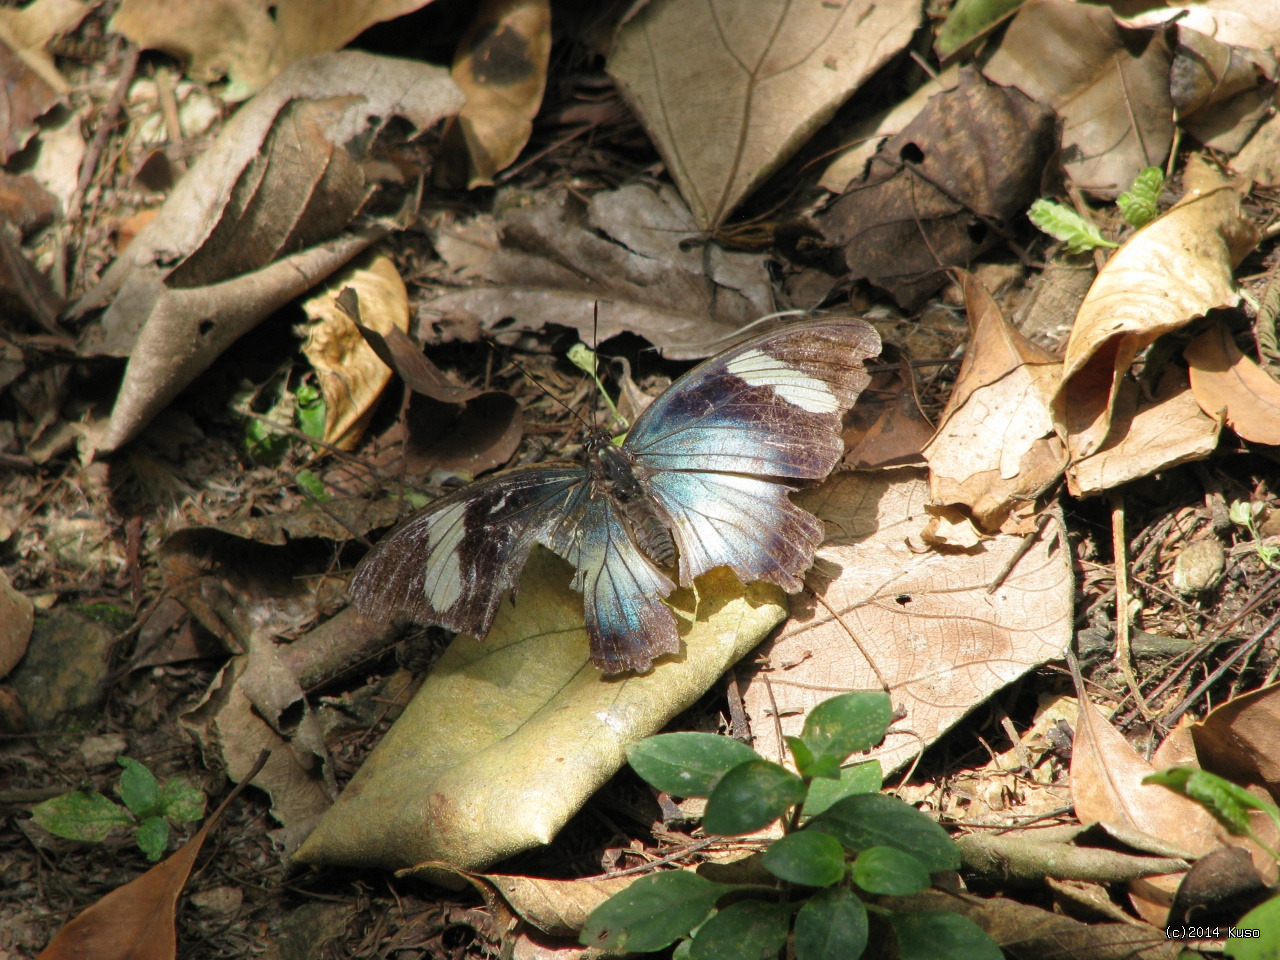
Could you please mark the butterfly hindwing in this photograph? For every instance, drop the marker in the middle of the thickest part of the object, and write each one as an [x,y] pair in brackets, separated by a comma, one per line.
[453,562]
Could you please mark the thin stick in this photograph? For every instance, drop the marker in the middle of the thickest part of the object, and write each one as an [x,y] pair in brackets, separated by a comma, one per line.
[1124,652]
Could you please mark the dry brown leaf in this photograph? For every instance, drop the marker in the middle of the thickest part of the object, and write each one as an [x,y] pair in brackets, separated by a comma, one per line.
[728,95]
[1240,740]
[1230,385]
[26,97]
[1146,436]
[941,642]
[616,266]
[996,443]
[1245,23]
[934,195]
[557,907]
[867,136]
[17,617]
[887,428]
[1107,787]
[351,376]
[263,215]
[27,31]
[1221,92]
[249,41]
[1108,82]
[136,921]
[1170,272]
[1259,159]
[501,66]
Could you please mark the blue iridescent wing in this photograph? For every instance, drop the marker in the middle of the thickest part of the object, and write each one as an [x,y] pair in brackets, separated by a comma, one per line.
[622,590]
[722,448]
[452,562]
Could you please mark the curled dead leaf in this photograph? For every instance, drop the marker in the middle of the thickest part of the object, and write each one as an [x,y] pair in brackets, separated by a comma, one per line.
[1230,385]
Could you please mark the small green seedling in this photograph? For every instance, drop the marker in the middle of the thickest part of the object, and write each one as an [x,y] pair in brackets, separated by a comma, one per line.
[1257,935]
[1137,206]
[1245,514]
[148,807]
[843,843]
[585,359]
[267,444]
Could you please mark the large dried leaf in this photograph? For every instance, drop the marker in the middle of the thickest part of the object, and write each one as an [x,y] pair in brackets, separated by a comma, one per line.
[1109,83]
[924,618]
[1221,91]
[501,66]
[996,444]
[263,215]
[935,195]
[17,617]
[1170,272]
[615,266]
[509,736]
[1231,386]
[1147,436]
[249,41]
[730,90]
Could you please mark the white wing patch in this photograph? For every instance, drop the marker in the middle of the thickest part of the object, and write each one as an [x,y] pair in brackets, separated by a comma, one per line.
[443,576]
[795,386]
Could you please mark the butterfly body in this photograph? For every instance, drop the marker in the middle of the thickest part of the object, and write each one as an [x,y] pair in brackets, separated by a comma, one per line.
[702,480]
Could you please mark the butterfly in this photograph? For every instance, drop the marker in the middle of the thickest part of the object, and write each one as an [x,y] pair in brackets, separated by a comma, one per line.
[701,481]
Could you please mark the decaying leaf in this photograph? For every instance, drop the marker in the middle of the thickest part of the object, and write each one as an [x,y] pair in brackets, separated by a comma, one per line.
[1244,23]
[1147,436]
[556,907]
[887,428]
[501,66]
[728,94]
[27,30]
[249,41]
[935,195]
[1221,91]
[884,606]
[26,97]
[1240,739]
[351,375]
[1231,386]
[1108,82]
[616,265]
[509,736]
[1170,272]
[996,443]
[262,216]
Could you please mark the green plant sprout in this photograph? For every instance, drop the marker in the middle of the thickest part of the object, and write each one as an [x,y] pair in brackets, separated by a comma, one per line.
[843,843]
[1245,514]
[1230,805]
[149,805]
[1137,206]
[584,358]
[267,444]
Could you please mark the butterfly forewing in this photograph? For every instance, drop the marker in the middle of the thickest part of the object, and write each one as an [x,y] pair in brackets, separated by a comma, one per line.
[452,563]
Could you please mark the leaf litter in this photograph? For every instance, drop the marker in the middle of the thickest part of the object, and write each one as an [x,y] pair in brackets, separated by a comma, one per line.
[629,254]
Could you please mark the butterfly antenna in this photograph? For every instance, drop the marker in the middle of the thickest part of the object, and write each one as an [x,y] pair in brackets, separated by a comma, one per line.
[497,348]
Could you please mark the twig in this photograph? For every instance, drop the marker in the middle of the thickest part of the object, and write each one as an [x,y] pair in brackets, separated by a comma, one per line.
[1124,652]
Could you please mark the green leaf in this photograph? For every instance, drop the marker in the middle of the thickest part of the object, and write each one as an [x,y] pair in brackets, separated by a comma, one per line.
[311,485]
[874,820]
[686,764]
[832,925]
[847,724]
[749,928]
[310,410]
[652,913]
[1264,922]
[181,800]
[889,871]
[138,788]
[750,796]
[1066,225]
[1229,803]
[806,857]
[81,816]
[153,837]
[970,18]
[941,935]
[865,777]
[1138,203]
